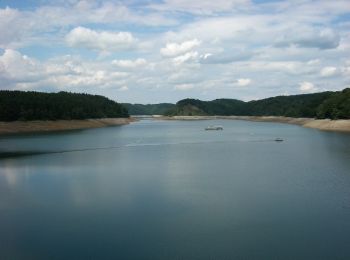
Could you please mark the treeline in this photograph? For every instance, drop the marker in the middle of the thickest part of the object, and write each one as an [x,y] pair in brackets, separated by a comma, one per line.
[149,109]
[333,105]
[20,105]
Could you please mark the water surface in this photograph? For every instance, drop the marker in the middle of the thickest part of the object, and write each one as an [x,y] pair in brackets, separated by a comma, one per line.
[170,190]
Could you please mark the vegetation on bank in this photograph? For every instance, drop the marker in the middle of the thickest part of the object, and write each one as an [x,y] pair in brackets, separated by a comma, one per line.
[20,105]
[333,105]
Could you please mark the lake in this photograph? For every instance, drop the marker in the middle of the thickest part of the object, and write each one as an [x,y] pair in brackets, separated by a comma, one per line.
[171,190]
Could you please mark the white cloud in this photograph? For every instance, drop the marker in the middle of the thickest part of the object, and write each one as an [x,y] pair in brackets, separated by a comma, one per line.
[243,82]
[328,72]
[175,49]
[66,73]
[18,67]
[185,58]
[307,87]
[183,87]
[130,63]
[82,37]
[123,88]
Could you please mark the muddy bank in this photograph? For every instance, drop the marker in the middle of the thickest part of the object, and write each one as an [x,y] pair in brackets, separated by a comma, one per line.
[59,125]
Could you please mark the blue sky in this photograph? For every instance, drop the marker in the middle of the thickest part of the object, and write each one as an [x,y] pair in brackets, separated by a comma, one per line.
[164,51]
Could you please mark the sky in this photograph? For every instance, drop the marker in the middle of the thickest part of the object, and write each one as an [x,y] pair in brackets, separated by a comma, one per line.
[166,50]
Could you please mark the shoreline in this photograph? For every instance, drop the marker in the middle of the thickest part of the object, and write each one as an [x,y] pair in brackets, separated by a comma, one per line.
[41,126]
[320,124]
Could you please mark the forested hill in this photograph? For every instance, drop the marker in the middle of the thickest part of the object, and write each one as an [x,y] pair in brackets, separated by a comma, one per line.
[20,105]
[333,105]
[149,109]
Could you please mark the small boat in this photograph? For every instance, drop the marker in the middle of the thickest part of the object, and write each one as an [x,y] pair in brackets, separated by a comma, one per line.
[279,139]
[214,127]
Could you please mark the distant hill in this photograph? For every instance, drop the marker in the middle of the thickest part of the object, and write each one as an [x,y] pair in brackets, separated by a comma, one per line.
[333,105]
[150,109]
[195,107]
[20,105]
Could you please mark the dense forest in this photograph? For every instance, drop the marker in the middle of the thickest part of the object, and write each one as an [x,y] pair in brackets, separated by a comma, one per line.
[336,106]
[20,105]
[149,109]
[333,105]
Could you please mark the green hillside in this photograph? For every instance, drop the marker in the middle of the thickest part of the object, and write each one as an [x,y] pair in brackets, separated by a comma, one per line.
[336,106]
[333,105]
[20,105]
[195,107]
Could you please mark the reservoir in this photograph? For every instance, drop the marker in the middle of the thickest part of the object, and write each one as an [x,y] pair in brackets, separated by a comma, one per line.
[171,190]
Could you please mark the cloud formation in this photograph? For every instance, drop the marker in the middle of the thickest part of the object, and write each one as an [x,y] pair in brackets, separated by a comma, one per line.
[15,67]
[328,71]
[82,37]
[307,87]
[243,82]
[162,51]
[183,87]
[173,49]
[130,64]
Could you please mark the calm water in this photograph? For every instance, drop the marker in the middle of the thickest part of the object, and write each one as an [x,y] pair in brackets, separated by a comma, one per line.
[170,190]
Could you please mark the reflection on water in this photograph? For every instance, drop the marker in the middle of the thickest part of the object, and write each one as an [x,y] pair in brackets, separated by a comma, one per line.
[170,190]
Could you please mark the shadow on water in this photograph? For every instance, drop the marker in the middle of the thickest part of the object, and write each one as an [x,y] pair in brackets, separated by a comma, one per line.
[43,133]
[16,154]
[4,155]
